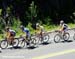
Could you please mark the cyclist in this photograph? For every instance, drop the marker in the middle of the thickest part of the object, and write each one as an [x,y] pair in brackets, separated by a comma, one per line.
[39,29]
[63,27]
[10,34]
[25,32]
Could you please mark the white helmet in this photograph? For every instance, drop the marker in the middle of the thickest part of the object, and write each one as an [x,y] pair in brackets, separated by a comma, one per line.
[37,24]
[21,27]
[61,22]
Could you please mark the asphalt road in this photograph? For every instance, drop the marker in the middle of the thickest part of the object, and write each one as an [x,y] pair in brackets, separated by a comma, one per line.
[62,50]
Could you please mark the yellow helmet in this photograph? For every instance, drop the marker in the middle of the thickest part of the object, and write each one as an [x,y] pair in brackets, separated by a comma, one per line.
[7,28]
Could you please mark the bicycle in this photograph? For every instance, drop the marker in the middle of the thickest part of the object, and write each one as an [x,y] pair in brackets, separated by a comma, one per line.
[4,43]
[60,36]
[74,35]
[42,38]
[24,42]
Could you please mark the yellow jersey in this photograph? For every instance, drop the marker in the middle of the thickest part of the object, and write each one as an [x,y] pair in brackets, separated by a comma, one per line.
[39,29]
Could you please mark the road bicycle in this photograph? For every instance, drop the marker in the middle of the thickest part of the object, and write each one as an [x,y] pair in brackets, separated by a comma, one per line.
[24,42]
[59,36]
[42,38]
[4,43]
[74,35]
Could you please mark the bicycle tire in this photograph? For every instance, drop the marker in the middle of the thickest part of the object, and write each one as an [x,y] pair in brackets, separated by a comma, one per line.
[46,38]
[56,39]
[66,39]
[5,42]
[74,36]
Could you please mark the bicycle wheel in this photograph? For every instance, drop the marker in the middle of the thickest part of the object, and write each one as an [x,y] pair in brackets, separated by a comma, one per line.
[4,44]
[40,40]
[22,43]
[46,38]
[36,40]
[66,36]
[74,36]
[57,38]
[15,42]
[32,42]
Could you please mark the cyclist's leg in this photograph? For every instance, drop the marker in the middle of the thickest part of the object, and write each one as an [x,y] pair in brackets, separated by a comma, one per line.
[27,39]
[12,39]
[61,33]
[41,34]
[65,30]
[9,40]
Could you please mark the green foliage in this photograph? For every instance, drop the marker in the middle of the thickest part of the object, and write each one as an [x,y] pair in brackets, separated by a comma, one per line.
[2,25]
[45,12]
[47,20]
[0,11]
[16,22]
[32,12]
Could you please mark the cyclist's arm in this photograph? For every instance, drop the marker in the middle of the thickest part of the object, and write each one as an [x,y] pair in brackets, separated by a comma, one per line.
[7,35]
[60,27]
[23,33]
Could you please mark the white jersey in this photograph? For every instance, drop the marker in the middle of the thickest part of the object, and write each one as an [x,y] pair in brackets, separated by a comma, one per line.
[64,25]
[11,30]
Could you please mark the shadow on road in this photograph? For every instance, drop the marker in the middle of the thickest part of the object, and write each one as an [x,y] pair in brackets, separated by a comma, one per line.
[67,41]
[16,47]
[45,43]
[32,47]
[70,41]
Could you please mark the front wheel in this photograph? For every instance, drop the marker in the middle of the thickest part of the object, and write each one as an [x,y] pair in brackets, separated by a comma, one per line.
[66,36]
[15,43]
[22,43]
[74,36]
[46,38]
[32,42]
[4,44]
[57,38]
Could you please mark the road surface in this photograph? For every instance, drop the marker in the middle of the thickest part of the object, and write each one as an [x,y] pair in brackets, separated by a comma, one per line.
[62,50]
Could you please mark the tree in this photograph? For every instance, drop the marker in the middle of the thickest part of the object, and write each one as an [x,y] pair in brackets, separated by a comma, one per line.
[32,13]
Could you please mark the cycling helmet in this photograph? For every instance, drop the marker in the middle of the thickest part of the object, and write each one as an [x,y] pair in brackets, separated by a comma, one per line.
[21,27]
[7,29]
[61,22]
[37,24]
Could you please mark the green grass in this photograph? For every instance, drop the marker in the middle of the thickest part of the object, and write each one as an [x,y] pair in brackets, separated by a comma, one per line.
[47,28]
[71,25]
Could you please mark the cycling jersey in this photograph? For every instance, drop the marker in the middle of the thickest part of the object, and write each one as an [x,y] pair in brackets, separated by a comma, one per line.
[26,30]
[64,27]
[39,29]
[10,33]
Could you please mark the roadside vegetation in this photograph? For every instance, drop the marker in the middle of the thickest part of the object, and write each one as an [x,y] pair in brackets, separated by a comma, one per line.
[31,16]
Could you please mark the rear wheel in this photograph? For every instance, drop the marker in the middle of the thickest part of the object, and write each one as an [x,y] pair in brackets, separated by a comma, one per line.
[4,44]
[57,38]
[66,36]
